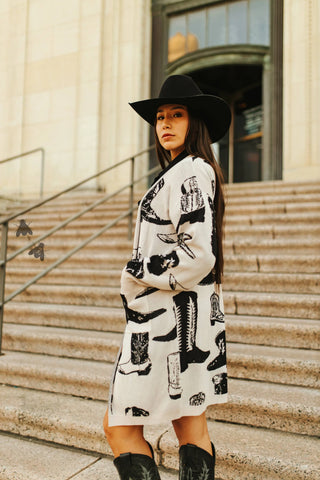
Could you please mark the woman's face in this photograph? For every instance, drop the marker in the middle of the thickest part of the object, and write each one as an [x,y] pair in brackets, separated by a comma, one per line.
[172,127]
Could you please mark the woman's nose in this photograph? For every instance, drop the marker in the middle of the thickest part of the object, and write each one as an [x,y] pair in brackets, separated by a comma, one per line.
[166,123]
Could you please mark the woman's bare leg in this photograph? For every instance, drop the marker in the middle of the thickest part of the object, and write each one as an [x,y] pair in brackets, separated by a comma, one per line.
[193,430]
[125,439]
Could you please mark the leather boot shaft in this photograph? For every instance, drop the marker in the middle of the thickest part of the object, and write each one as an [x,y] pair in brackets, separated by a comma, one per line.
[196,463]
[135,466]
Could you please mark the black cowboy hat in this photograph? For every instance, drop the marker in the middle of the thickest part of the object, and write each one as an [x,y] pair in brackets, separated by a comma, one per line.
[181,89]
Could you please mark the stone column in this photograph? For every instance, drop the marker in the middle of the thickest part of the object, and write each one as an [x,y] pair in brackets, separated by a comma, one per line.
[125,77]
[301,90]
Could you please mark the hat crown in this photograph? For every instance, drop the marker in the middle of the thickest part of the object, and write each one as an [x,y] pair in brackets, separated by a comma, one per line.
[179,86]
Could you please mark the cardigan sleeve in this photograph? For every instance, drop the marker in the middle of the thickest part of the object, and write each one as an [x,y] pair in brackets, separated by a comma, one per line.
[193,239]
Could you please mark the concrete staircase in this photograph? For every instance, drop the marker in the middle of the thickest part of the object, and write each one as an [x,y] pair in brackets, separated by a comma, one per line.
[61,337]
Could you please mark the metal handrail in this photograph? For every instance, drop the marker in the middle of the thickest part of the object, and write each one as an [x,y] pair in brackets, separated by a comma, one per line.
[15,157]
[5,226]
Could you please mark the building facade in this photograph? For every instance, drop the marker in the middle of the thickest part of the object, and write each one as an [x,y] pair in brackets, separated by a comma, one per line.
[68,69]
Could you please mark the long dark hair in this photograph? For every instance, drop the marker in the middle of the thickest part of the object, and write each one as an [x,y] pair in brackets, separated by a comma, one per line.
[198,144]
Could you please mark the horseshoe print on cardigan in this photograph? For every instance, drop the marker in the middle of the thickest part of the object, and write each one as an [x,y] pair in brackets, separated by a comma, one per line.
[147,212]
[180,239]
[136,412]
[139,362]
[220,360]
[192,203]
[220,383]
[216,315]
[138,317]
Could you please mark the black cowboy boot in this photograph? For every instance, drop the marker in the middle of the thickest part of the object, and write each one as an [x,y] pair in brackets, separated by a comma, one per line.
[196,463]
[135,466]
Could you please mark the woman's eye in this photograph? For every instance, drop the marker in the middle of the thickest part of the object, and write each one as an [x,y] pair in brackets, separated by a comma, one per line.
[178,114]
[160,117]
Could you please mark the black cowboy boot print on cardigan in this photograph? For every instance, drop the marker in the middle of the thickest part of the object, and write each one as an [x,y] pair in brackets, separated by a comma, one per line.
[220,360]
[139,362]
[138,317]
[192,204]
[215,315]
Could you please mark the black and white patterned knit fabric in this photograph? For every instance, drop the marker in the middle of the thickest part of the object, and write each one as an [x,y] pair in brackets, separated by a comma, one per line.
[172,362]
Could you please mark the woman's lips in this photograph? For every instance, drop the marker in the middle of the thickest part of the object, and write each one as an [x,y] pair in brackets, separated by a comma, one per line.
[166,135]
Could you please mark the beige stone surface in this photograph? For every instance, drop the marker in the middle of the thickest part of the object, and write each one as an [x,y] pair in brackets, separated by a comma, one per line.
[269,405]
[27,460]
[301,90]
[55,94]
[255,454]
[105,470]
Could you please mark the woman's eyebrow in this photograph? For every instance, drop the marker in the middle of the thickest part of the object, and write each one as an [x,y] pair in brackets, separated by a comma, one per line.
[181,107]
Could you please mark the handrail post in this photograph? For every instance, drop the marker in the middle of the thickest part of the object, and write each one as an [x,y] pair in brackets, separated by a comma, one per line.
[130,220]
[3,257]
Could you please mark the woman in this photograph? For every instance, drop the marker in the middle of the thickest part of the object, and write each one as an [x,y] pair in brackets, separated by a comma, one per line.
[172,364]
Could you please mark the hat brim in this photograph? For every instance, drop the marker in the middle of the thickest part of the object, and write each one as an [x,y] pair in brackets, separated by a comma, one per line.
[213,110]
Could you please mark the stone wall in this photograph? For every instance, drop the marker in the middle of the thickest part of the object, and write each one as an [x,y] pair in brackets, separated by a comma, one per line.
[301,90]
[67,71]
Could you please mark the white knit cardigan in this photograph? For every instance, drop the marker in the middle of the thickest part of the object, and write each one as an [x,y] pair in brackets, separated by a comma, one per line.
[172,362]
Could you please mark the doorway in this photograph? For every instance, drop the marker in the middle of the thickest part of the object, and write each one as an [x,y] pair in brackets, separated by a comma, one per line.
[240,151]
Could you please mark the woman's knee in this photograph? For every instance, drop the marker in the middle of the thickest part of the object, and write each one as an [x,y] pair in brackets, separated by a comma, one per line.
[121,434]
[188,428]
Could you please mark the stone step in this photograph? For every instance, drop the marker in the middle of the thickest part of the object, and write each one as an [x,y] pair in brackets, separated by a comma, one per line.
[272,231]
[99,219]
[74,204]
[248,453]
[273,263]
[112,244]
[60,463]
[39,216]
[248,246]
[277,332]
[234,209]
[291,366]
[281,407]
[231,232]
[233,281]
[284,219]
[274,187]
[23,460]
[70,233]
[66,276]
[285,198]
[251,452]
[272,282]
[242,303]
[281,263]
